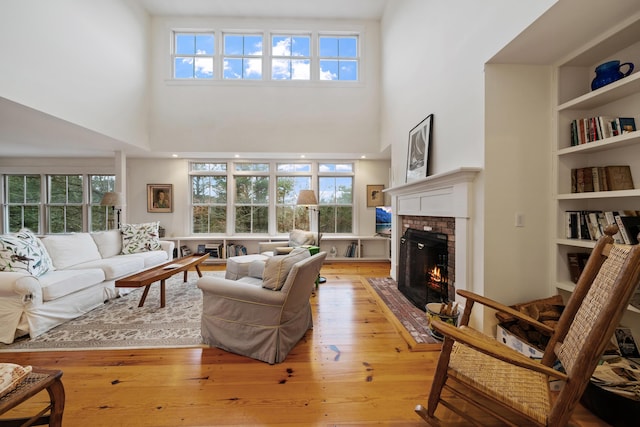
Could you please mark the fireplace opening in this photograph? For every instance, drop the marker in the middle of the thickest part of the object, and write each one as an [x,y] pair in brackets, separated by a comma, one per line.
[423,267]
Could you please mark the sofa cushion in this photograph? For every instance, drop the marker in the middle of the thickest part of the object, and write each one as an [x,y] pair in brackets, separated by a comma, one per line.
[59,283]
[151,258]
[67,250]
[109,243]
[277,268]
[301,237]
[115,267]
[23,251]
[140,237]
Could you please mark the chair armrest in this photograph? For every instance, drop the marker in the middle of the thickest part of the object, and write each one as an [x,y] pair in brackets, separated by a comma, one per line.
[489,346]
[505,309]
[237,290]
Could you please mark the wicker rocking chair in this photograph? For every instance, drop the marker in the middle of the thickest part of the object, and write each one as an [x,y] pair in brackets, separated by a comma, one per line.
[485,382]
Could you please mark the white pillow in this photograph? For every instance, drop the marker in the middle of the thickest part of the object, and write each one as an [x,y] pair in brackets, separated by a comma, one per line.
[109,242]
[140,237]
[67,250]
[277,268]
[23,251]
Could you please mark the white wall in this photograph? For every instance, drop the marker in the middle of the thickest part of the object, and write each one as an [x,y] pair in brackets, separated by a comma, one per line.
[433,59]
[81,61]
[264,116]
[141,172]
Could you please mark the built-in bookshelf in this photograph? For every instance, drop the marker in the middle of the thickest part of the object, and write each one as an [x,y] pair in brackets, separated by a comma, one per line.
[610,144]
[347,247]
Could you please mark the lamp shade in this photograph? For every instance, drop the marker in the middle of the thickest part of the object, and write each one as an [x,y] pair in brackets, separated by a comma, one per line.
[112,198]
[307,198]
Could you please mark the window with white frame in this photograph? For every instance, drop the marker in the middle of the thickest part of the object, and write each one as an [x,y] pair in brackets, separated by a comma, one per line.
[101,217]
[193,55]
[290,57]
[242,56]
[209,197]
[64,209]
[251,204]
[290,179]
[64,203]
[338,57]
[335,181]
[23,202]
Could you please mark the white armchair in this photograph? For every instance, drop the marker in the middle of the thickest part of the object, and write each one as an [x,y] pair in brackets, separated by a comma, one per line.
[262,318]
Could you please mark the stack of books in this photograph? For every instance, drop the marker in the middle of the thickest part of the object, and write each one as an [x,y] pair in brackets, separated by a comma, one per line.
[601,178]
[591,129]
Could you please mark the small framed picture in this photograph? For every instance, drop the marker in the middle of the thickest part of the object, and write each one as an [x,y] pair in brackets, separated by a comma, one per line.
[375,196]
[160,198]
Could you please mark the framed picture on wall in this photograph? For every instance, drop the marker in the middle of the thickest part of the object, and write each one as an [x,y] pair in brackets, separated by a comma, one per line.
[419,147]
[159,198]
[375,196]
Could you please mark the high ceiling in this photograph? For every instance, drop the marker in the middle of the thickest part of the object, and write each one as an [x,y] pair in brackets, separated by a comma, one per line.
[27,132]
[334,9]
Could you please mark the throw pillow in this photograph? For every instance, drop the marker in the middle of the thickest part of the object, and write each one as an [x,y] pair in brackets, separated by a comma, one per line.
[277,268]
[23,251]
[300,238]
[11,375]
[140,237]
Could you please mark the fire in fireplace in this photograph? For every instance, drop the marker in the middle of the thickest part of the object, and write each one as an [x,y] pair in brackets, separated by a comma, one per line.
[423,267]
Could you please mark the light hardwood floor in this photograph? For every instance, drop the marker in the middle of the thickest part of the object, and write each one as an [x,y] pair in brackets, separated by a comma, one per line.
[352,369]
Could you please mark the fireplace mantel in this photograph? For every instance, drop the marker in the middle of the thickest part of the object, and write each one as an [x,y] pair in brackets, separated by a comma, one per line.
[448,194]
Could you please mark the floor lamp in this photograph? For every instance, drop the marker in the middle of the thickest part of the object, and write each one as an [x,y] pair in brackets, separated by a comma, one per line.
[308,199]
[113,199]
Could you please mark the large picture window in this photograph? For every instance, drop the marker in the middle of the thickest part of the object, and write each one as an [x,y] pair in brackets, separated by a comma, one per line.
[336,197]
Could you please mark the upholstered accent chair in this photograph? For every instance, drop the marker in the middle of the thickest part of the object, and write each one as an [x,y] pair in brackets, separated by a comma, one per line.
[477,371]
[296,238]
[265,314]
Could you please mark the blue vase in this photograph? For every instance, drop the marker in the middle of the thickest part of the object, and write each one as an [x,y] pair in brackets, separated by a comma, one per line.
[609,72]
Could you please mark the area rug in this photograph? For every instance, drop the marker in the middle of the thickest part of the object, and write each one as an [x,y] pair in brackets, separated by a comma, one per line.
[410,321]
[120,323]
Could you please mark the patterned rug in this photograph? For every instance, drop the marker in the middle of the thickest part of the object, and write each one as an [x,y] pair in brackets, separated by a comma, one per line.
[120,323]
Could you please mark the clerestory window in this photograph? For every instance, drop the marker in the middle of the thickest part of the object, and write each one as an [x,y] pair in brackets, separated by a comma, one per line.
[193,55]
[242,56]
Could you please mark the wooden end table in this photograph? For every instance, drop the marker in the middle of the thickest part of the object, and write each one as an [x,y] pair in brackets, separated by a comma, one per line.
[34,383]
[161,273]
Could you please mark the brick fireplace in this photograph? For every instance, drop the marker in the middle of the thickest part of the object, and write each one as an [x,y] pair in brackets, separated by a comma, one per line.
[442,203]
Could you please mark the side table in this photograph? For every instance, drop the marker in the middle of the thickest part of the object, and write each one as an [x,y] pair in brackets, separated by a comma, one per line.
[36,381]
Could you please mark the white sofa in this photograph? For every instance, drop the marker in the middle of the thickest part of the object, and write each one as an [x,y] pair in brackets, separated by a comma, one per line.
[80,276]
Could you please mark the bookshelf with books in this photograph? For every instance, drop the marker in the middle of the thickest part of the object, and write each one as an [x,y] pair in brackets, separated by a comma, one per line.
[348,248]
[596,151]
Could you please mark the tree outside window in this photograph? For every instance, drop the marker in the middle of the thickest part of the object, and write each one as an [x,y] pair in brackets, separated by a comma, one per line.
[64,205]
[23,202]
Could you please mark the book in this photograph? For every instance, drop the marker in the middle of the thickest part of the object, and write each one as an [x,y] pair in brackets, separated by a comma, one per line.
[184,250]
[619,178]
[627,124]
[631,226]
[577,261]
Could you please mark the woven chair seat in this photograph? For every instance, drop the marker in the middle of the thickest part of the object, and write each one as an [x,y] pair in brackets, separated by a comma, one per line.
[519,388]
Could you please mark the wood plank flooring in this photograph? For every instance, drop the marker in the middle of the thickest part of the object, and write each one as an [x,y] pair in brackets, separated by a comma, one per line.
[352,369]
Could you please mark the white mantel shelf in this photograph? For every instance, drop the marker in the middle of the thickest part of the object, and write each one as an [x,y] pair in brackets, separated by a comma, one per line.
[446,194]
[462,174]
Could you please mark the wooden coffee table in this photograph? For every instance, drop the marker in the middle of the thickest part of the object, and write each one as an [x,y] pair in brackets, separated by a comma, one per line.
[161,273]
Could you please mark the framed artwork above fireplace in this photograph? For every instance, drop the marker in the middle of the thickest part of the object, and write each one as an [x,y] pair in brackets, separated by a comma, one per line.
[419,149]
